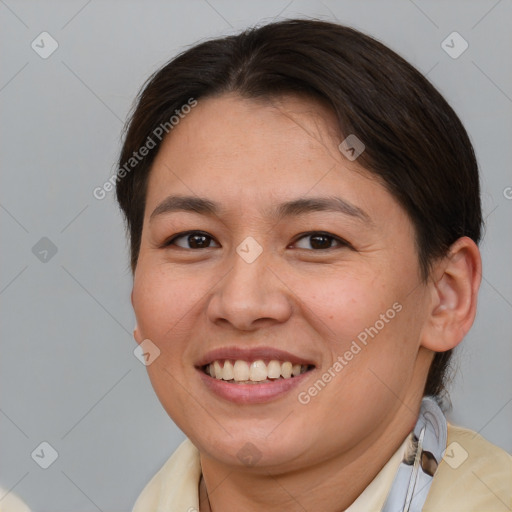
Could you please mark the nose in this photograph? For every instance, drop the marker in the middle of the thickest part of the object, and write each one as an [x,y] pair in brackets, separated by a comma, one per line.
[250,296]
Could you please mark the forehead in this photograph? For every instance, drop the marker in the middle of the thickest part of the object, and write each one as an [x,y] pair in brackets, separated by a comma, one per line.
[272,144]
[230,128]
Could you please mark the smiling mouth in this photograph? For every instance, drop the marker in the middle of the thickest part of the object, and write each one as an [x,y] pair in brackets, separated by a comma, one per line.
[254,372]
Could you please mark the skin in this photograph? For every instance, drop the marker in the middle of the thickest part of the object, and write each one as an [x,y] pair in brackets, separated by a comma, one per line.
[248,156]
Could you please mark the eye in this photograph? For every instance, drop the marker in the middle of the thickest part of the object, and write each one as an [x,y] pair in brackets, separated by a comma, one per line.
[318,240]
[321,240]
[195,240]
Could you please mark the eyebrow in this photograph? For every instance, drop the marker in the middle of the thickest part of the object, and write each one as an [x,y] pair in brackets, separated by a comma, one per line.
[284,210]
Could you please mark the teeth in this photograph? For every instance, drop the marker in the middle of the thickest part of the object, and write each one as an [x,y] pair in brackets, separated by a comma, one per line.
[228,371]
[257,371]
[217,369]
[286,370]
[274,369]
[240,369]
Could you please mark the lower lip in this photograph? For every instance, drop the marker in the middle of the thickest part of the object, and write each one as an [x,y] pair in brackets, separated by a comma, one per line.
[252,393]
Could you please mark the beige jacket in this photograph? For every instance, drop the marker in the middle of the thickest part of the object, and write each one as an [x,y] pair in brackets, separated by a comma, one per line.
[474,476]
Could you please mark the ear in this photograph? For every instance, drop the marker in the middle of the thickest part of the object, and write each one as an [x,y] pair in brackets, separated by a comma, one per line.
[454,288]
[136,334]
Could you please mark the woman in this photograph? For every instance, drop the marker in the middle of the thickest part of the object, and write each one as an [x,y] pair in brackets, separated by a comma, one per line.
[304,213]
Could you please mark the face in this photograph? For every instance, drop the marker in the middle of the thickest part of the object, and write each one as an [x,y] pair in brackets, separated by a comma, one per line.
[294,254]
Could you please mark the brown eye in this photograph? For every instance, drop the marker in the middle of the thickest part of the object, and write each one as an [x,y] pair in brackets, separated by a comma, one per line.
[193,240]
[319,240]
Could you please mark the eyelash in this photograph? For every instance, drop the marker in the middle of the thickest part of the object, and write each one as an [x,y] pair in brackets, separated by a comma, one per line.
[342,243]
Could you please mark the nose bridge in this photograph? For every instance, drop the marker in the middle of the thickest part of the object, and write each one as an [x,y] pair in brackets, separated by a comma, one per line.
[248,278]
[250,291]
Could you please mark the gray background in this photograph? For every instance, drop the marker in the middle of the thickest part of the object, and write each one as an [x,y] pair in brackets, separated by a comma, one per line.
[68,373]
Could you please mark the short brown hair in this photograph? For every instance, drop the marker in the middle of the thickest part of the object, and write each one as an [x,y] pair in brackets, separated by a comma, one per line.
[415,143]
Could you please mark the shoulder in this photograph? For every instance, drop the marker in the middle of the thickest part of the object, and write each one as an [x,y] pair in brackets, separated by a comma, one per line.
[10,502]
[175,482]
[474,475]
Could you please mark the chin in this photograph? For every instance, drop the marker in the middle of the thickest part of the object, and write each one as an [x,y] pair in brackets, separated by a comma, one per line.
[251,448]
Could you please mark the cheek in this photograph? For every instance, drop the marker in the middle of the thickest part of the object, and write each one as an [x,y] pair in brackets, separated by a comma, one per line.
[346,305]
[364,319]
[389,339]
[161,302]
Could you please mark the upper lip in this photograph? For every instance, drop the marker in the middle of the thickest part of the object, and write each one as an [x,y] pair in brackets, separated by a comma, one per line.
[251,354]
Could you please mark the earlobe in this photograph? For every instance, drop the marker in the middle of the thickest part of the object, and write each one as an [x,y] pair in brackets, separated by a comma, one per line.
[454,290]
[136,334]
